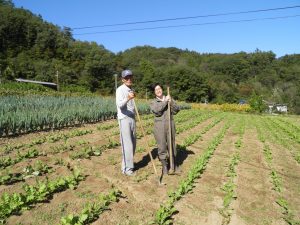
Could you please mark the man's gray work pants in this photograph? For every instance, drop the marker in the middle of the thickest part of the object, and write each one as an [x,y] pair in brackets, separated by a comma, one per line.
[128,143]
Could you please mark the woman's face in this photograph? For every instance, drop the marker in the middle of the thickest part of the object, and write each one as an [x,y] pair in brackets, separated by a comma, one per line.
[158,91]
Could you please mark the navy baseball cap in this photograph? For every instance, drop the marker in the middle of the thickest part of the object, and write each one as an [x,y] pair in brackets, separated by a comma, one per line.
[126,73]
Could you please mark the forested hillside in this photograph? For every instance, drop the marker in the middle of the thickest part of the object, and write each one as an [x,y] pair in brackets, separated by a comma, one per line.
[32,48]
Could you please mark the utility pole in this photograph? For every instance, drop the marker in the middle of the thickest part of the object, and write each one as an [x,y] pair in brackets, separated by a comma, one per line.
[116,81]
[0,72]
[57,80]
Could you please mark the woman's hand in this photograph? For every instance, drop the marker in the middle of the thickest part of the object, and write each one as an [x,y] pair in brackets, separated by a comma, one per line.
[168,98]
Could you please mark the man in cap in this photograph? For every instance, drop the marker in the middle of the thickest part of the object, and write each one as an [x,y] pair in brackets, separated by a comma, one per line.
[126,119]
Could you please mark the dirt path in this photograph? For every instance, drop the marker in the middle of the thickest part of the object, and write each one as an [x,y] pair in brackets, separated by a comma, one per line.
[203,204]
[143,193]
[289,171]
[255,203]
[145,197]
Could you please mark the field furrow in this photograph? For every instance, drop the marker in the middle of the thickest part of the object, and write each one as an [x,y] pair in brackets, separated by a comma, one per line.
[234,169]
[255,204]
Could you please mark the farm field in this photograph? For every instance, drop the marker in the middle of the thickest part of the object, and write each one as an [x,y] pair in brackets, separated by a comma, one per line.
[235,168]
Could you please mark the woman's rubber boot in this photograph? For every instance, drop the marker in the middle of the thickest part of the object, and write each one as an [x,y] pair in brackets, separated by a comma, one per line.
[164,167]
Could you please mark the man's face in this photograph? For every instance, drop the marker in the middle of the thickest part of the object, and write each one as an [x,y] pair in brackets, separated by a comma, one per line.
[127,80]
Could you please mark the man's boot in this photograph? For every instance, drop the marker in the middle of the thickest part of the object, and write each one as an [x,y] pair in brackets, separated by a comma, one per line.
[164,166]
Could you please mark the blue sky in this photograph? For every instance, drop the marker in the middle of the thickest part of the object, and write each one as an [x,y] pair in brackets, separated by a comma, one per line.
[282,36]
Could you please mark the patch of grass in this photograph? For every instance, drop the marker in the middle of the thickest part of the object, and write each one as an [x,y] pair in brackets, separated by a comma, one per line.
[62,206]
[59,161]
[297,157]
[130,222]
[82,142]
[85,194]
[98,175]
[115,132]
[152,143]
[46,218]
[112,160]
[140,149]
[142,177]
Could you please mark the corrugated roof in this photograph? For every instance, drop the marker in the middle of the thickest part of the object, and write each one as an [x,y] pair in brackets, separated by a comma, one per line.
[36,82]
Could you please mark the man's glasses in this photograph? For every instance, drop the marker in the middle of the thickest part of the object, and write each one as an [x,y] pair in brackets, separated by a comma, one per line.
[128,77]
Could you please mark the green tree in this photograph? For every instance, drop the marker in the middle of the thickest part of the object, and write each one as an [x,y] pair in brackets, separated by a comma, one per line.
[256,103]
[7,2]
[186,84]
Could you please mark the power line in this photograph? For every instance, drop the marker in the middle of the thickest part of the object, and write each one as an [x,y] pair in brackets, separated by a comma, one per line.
[187,25]
[189,17]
